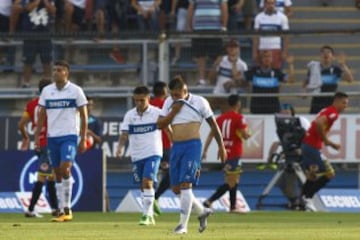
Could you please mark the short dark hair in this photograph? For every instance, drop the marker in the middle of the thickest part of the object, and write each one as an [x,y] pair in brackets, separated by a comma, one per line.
[43,83]
[233,100]
[177,82]
[62,63]
[340,95]
[328,48]
[288,106]
[141,90]
[159,89]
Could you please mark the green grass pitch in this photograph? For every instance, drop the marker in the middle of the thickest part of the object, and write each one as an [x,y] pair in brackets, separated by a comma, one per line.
[264,225]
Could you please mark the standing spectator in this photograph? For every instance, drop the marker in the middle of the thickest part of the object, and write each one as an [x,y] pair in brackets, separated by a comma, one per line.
[180,9]
[147,14]
[283,6]
[37,19]
[61,103]
[271,20]
[324,76]
[45,171]
[318,170]
[229,70]
[206,15]
[234,130]
[96,8]
[160,94]
[185,112]
[139,128]
[266,79]
[234,8]
[94,130]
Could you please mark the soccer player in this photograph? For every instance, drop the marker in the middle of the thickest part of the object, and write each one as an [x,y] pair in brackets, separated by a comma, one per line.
[62,102]
[160,94]
[45,171]
[145,144]
[319,171]
[234,130]
[184,112]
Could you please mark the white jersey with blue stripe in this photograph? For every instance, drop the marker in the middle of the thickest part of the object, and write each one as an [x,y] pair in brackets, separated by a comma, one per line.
[195,109]
[144,135]
[62,108]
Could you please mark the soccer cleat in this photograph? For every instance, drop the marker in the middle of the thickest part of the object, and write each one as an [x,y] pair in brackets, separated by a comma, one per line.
[63,217]
[207,204]
[156,207]
[203,219]
[55,212]
[146,220]
[236,211]
[180,229]
[309,204]
[33,215]
[59,218]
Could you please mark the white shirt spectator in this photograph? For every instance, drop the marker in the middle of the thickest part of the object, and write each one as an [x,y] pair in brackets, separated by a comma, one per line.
[5,7]
[79,3]
[61,106]
[274,22]
[224,74]
[195,109]
[144,136]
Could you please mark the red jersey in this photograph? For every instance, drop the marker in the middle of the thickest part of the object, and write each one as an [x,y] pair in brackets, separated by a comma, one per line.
[31,110]
[159,102]
[230,124]
[312,136]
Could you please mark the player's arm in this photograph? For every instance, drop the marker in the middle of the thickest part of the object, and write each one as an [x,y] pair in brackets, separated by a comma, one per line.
[22,128]
[123,138]
[218,137]
[320,123]
[83,127]
[40,125]
[207,144]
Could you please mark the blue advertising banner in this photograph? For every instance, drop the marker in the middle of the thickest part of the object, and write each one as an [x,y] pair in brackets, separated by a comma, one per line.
[18,172]
[340,200]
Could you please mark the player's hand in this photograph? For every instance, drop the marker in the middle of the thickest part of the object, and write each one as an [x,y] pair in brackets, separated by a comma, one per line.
[222,155]
[37,143]
[82,145]
[204,156]
[25,144]
[177,105]
[335,146]
[120,152]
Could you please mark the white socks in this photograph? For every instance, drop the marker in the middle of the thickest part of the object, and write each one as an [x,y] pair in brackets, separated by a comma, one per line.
[197,206]
[186,201]
[148,201]
[59,194]
[67,185]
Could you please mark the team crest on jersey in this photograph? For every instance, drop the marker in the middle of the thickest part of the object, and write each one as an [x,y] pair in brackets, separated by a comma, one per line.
[28,177]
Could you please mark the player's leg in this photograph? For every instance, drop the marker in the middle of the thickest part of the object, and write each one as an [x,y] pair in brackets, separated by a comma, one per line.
[232,179]
[165,179]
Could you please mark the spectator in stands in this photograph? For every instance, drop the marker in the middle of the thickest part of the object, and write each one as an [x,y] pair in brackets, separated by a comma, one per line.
[249,10]
[74,16]
[324,75]
[271,20]
[229,70]
[165,18]
[59,19]
[160,94]
[10,11]
[37,19]
[117,13]
[207,15]
[318,170]
[283,6]
[179,7]
[147,14]
[234,131]
[265,79]
[45,172]
[145,144]
[96,8]
[234,8]
[94,130]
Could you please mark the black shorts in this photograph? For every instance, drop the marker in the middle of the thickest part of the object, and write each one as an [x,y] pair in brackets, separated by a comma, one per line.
[4,23]
[78,16]
[210,47]
[41,47]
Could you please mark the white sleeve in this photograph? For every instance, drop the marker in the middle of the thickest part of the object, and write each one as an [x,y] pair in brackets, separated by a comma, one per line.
[125,124]
[257,22]
[285,23]
[166,107]
[206,110]
[288,3]
[261,4]
[305,123]
[42,99]
[81,98]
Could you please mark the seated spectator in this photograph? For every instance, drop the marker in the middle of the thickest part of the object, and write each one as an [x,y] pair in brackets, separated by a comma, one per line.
[283,6]
[229,70]
[324,75]
[266,79]
[198,13]
[147,14]
[271,20]
[37,20]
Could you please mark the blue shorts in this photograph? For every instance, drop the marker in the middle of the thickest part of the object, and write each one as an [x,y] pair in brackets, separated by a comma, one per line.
[146,168]
[232,166]
[185,159]
[62,149]
[45,164]
[312,160]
